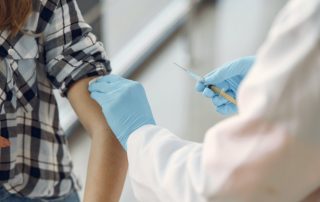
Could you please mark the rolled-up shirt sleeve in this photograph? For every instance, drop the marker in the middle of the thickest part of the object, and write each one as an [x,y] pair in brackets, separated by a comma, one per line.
[72,52]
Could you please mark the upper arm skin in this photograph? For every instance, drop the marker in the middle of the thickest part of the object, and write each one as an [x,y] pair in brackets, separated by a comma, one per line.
[107,165]
[88,111]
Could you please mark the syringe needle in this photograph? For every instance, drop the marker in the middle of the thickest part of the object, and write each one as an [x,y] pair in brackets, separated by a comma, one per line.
[214,88]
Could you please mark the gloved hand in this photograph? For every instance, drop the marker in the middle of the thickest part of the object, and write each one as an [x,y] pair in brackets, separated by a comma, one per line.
[228,78]
[124,105]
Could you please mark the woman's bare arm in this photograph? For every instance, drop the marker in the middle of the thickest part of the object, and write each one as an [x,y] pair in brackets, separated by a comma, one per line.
[108,163]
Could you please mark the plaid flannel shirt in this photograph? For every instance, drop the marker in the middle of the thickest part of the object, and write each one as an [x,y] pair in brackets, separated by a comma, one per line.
[54,50]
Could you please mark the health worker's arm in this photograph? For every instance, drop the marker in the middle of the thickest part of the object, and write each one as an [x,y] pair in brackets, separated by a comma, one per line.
[73,57]
[269,151]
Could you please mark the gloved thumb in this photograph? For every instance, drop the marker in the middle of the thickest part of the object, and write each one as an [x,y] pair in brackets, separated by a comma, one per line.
[200,86]
[238,67]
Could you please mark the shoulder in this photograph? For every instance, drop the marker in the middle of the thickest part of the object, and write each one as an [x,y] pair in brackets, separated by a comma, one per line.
[39,5]
[50,4]
[42,13]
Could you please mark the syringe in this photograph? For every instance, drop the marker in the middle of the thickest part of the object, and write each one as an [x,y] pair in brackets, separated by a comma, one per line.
[214,88]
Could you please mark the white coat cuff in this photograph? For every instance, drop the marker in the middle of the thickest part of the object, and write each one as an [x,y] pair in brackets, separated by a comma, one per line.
[148,130]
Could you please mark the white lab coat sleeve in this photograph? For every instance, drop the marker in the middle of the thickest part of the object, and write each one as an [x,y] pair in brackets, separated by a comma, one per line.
[269,151]
[162,167]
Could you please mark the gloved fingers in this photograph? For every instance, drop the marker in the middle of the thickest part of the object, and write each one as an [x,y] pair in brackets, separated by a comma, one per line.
[109,83]
[203,87]
[227,109]
[207,92]
[224,106]
[98,97]
[200,86]
[109,78]
[101,84]
[231,93]
[224,85]
[218,75]
[94,80]
[218,101]
[231,69]
[101,87]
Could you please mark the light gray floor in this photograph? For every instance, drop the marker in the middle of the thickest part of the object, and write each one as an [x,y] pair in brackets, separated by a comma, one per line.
[214,35]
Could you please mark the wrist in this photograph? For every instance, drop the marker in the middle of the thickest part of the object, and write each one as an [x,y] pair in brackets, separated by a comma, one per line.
[138,132]
[125,134]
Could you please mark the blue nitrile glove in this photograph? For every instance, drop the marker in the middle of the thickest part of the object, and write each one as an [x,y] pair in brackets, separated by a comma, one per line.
[228,78]
[124,105]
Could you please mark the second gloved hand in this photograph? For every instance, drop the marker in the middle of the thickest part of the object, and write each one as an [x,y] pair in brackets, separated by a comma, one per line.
[228,78]
[124,104]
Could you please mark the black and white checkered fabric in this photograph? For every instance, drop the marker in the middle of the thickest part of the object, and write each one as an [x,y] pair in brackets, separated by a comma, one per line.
[54,50]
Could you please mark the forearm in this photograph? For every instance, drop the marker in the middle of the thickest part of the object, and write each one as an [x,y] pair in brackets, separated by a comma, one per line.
[107,164]
[106,170]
